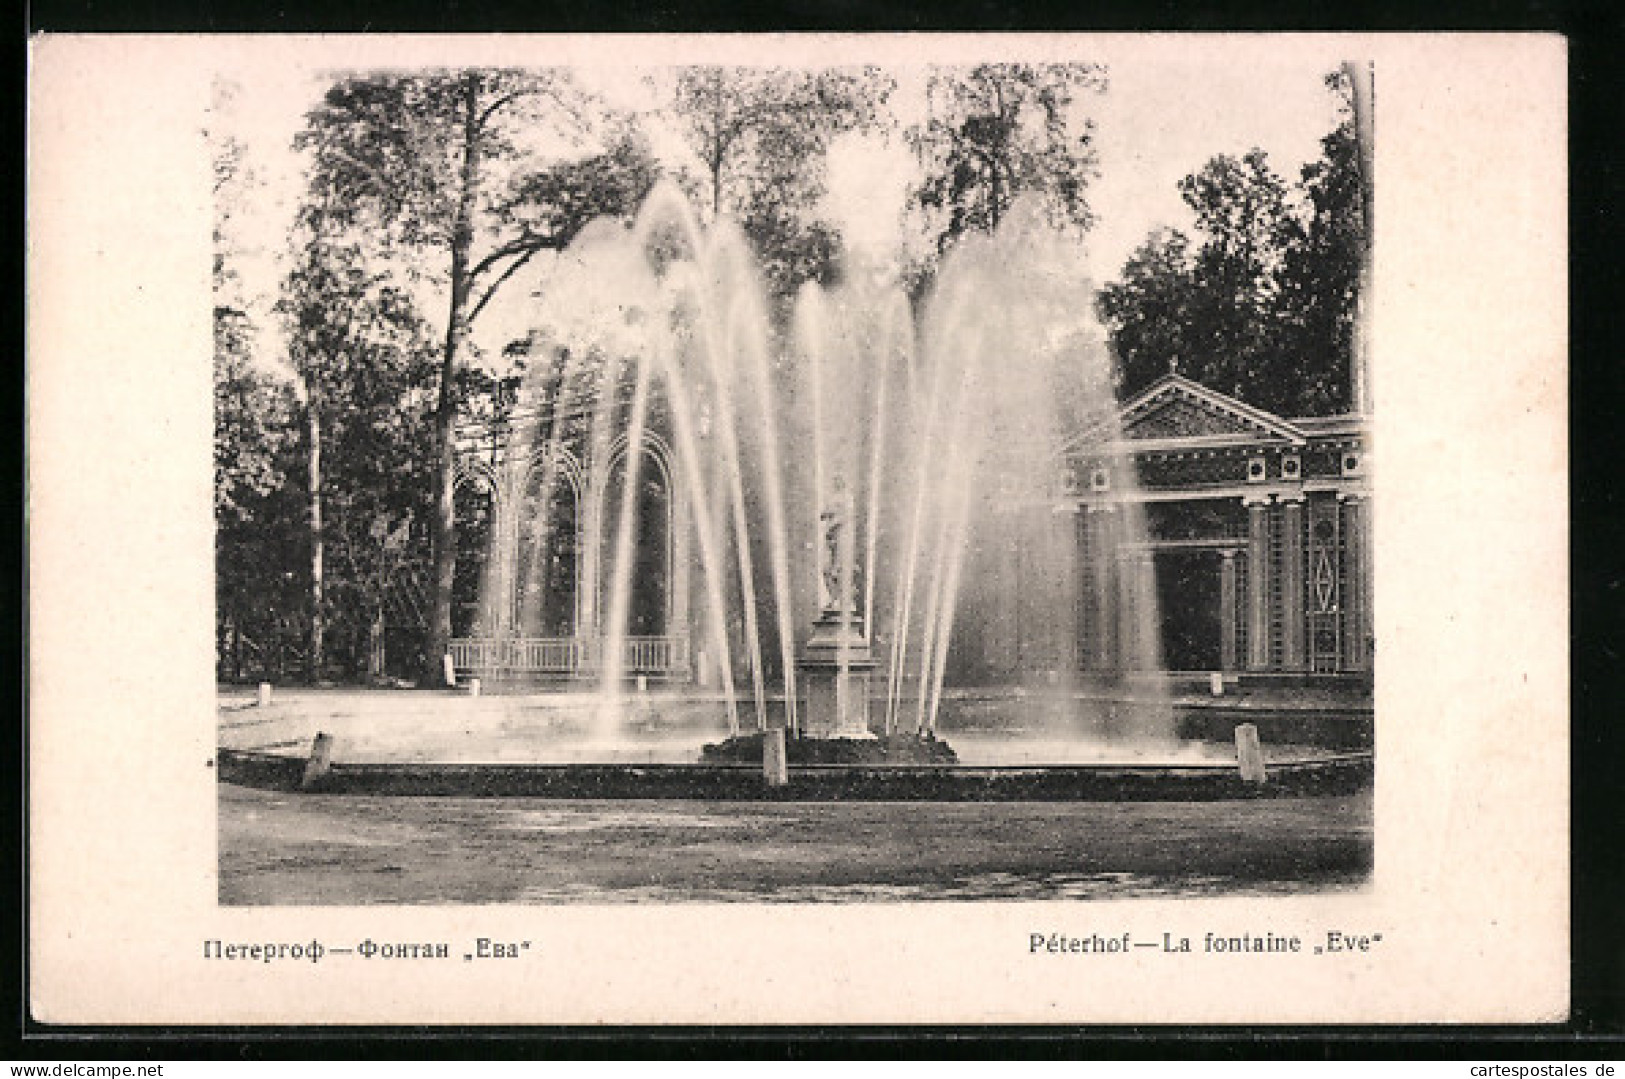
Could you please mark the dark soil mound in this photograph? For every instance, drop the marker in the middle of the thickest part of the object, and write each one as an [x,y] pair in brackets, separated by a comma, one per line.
[886,749]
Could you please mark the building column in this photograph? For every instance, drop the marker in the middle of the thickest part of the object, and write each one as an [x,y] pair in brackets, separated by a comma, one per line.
[1126,602]
[678,572]
[1064,610]
[1356,575]
[1292,640]
[1136,584]
[1227,610]
[1101,523]
[1148,638]
[1258,582]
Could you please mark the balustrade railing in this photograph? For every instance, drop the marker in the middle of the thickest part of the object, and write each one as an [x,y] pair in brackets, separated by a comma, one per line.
[663,656]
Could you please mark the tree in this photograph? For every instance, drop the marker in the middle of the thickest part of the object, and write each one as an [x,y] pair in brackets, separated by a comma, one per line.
[1320,275]
[996,131]
[1241,207]
[255,444]
[346,324]
[436,163]
[1264,308]
[1150,311]
[762,136]
[243,455]
[367,360]
[259,586]
[256,506]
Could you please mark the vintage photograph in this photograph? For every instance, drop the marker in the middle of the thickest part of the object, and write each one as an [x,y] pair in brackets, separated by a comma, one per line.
[832,529]
[848,483]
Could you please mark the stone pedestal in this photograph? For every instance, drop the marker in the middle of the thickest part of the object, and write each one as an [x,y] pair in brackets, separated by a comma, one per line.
[320,760]
[1249,753]
[836,668]
[775,763]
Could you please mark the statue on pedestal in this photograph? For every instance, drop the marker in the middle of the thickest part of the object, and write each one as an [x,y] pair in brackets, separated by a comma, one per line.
[837,570]
[836,663]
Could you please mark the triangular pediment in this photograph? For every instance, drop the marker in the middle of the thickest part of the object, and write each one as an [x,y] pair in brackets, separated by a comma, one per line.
[1176,408]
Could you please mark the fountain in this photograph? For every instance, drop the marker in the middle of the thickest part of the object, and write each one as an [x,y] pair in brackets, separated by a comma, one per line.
[856,483]
[867,507]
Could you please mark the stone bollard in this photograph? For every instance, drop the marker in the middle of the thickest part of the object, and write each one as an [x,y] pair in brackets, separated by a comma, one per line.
[473,687]
[265,694]
[775,765]
[1249,754]
[449,667]
[1216,684]
[321,757]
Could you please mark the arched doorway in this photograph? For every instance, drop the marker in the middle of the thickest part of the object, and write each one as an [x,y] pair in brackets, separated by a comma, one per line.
[649,599]
[547,567]
[475,507]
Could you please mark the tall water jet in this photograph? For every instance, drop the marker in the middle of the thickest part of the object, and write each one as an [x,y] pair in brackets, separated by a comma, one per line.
[886,499]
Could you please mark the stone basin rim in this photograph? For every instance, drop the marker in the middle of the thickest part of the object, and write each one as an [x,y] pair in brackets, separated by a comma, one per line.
[1095,782]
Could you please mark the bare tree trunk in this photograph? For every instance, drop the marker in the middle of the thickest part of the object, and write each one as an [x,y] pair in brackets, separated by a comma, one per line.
[318,624]
[717,150]
[995,161]
[375,647]
[444,535]
[1361,83]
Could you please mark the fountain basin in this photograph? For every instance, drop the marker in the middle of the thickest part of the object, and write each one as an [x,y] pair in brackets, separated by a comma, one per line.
[1005,747]
[1333,774]
[992,727]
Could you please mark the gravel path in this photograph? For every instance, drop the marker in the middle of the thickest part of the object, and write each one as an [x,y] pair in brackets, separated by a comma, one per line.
[335,849]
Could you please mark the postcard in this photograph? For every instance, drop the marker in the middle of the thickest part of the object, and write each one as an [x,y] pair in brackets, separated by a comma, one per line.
[848,529]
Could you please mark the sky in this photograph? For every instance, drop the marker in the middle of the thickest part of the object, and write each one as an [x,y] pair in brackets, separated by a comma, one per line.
[1154,125]
[1159,120]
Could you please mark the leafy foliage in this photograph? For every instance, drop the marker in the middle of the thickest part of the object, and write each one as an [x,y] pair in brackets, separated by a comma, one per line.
[995,131]
[1321,270]
[546,209]
[1150,312]
[260,540]
[449,164]
[365,362]
[258,512]
[763,135]
[1263,308]
[428,193]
